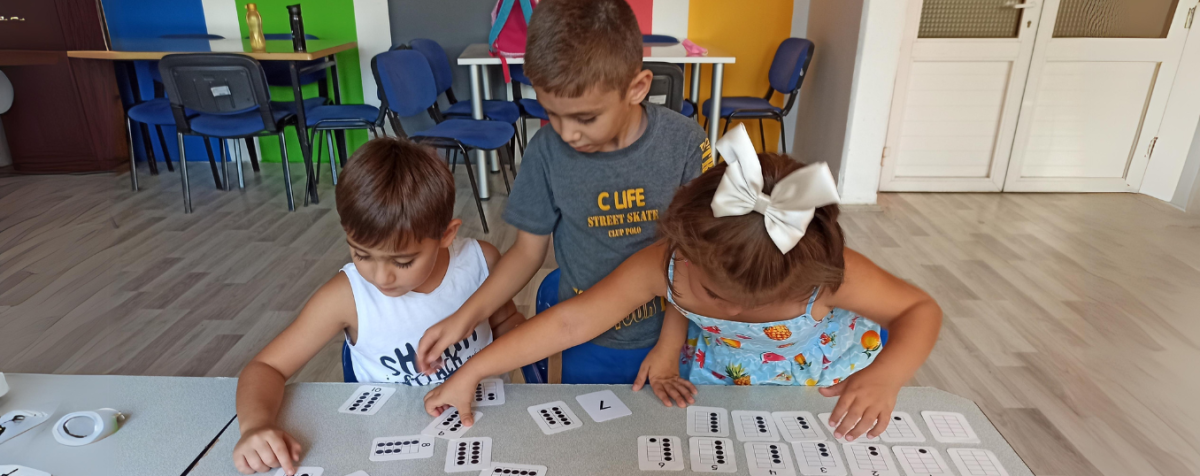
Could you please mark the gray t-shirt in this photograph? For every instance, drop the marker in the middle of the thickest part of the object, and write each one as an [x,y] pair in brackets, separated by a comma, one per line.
[603,207]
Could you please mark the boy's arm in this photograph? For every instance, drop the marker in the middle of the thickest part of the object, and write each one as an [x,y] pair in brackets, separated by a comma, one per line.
[510,273]
[507,317]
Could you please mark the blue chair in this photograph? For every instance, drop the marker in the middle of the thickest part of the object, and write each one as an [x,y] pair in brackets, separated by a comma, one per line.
[530,108]
[787,73]
[659,40]
[443,77]
[409,88]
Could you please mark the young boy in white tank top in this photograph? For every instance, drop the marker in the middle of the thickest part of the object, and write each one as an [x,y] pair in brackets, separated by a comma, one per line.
[409,270]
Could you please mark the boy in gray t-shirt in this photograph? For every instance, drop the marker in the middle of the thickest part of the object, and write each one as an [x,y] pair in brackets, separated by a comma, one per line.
[597,180]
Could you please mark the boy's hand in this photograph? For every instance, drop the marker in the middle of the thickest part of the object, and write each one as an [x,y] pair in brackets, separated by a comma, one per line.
[866,401]
[661,368]
[457,391]
[264,448]
[440,337]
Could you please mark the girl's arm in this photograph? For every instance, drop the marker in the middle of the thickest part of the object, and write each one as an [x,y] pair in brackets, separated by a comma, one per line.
[571,322]
[507,317]
[661,365]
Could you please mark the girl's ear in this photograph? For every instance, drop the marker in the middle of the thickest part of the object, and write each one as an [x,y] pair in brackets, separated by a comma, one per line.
[450,233]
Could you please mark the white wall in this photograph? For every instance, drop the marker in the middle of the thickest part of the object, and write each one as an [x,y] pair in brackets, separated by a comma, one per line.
[1167,167]
[799,30]
[1186,196]
[822,113]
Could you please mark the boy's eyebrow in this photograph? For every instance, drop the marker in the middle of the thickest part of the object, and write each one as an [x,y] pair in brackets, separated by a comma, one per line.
[401,255]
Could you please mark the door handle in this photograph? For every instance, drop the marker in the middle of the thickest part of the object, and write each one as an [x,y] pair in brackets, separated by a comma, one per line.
[1027,4]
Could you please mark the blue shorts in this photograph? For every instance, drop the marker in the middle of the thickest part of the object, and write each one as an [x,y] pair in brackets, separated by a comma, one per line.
[589,363]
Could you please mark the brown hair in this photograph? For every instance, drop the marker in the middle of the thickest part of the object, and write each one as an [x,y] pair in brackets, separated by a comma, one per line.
[736,252]
[574,45]
[393,192]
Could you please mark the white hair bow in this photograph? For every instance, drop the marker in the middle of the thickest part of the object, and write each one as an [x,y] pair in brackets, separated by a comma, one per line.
[792,203]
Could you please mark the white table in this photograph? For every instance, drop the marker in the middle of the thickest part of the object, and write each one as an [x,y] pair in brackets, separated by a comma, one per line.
[169,421]
[477,56]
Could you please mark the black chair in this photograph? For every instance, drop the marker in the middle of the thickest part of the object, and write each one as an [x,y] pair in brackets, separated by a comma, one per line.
[229,94]
[666,89]
[787,73]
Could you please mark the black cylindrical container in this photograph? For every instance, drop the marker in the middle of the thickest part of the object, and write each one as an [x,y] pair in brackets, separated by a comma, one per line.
[298,42]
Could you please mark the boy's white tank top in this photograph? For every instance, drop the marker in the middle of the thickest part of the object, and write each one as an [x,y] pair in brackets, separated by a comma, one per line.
[389,328]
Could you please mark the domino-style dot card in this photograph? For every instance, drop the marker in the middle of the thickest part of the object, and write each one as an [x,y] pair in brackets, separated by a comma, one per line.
[489,392]
[818,458]
[358,473]
[950,427]
[869,459]
[902,429]
[367,399]
[510,469]
[976,462]
[393,448]
[824,417]
[707,421]
[303,471]
[921,461]
[448,425]
[554,417]
[766,458]
[660,453]
[712,455]
[798,426]
[469,454]
[754,426]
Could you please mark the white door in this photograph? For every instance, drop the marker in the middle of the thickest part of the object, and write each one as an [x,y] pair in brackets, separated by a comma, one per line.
[1097,87]
[963,69]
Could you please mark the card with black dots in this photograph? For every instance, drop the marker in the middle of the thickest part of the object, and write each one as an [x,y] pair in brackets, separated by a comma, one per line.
[367,399]
[766,458]
[712,455]
[754,426]
[554,417]
[659,453]
[469,454]
[707,421]
[489,392]
[392,448]
[448,425]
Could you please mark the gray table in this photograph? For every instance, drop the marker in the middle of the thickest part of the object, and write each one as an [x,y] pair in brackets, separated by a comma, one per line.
[169,421]
[339,443]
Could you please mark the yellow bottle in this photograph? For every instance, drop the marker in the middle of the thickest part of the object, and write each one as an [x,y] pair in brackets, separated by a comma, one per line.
[258,43]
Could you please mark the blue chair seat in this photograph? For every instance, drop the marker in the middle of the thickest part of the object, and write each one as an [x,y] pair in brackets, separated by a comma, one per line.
[687,108]
[342,113]
[234,125]
[495,110]
[731,104]
[534,108]
[156,112]
[278,73]
[486,135]
[290,106]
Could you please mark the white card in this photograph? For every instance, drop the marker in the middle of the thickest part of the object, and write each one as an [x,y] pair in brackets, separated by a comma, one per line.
[712,455]
[976,462]
[824,417]
[358,473]
[469,454]
[798,426]
[660,453]
[769,459]
[448,425]
[554,417]
[303,471]
[754,426]
[392,448]
[20,421]
[489,392]
[869,459]
[707,421]
[921,461]
[603,406]
[950,427]
[510,469]
[15,470]
[902,429]
[818,458]
[367,399]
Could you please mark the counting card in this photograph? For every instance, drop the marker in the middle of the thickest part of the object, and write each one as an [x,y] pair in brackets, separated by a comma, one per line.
[603,406]
[902,429]
[554,417]
[659,453]
[921,461]
[950,427]
[392,448]
[976,462]
[303,471]
[448,425]
[358,473]
[824,417]
[754,426]
[769,459]
[489,392]
[798,426]
[865,459]
[367,399]
[818,458]
[712,455]
[469,454]
[707,421]
[510,469]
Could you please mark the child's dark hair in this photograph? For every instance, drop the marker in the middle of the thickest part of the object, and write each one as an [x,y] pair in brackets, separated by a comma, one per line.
[736,251]
[394,192]
[574,45]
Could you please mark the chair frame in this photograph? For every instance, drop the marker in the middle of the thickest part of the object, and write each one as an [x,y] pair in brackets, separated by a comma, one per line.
[761,114]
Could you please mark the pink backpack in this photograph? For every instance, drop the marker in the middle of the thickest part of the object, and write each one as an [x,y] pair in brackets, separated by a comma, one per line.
[507,38]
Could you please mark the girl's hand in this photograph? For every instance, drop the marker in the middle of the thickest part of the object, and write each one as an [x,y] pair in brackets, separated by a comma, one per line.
[866,403]
[661,368]
[264,448]
[457,391]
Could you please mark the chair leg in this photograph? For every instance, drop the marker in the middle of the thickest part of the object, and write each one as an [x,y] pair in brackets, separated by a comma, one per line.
[762,136]
[782,138]
[253,153]
[315,140]
[726,129]
[329,136]
[183,177]
[224,163]
[162,141]
[474,188]
[524,137]
[236,152]
[502,152]
[133,180]
[150,160]
[212,162]
[374,133]
[287,174]
[454,161]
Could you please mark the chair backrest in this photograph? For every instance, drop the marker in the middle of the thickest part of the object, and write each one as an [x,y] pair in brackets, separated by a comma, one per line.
[443,73]
[405,81]
[517,72]
[215,83]
[790,64]
[666,88]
